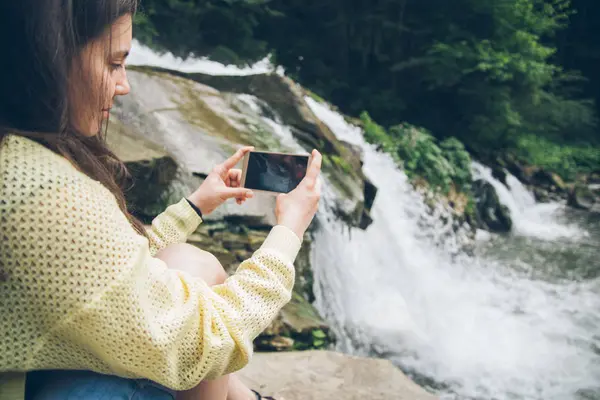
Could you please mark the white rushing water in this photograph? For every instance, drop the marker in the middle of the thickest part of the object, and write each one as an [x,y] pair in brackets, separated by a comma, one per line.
[142,55]
[529,218]
[472,324]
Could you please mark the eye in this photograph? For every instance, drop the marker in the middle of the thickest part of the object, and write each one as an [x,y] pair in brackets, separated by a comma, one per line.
[115,66]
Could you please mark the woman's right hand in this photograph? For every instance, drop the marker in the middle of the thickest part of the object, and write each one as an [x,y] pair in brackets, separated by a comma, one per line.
[296,210]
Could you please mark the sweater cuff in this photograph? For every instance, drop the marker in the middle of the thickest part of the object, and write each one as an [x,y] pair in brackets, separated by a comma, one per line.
[187,218]
[283,241]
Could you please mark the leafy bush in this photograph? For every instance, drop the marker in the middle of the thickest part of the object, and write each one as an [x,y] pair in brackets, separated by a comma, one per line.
[418,152]
[422,157]
[460,160]
[566,160]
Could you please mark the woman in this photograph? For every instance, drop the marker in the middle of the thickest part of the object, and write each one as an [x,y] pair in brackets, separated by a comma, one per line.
[91,304]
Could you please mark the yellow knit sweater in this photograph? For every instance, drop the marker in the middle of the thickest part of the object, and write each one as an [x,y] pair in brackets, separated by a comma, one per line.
[80,289]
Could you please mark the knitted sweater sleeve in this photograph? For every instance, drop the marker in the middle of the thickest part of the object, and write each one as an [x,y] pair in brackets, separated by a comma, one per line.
[174,225]
[90,295]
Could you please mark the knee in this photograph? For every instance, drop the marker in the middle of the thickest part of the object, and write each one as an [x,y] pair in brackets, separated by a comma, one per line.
[197,262]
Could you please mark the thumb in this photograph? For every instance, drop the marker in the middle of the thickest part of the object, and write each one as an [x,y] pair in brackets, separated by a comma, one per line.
[238,193]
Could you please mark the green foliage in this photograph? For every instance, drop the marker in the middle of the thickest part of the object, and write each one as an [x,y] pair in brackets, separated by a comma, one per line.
[335,161]
[460,160]
[440,164]
[376,134]
[315,96]
[479,70]
[566,160]
[314,340]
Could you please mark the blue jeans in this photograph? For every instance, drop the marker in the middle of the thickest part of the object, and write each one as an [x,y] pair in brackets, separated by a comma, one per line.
[85,385]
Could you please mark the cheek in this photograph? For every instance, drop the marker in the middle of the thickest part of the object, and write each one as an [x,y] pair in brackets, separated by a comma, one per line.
[104,87]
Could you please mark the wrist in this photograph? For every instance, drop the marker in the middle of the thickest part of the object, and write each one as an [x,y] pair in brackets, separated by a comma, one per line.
[294,228]
[196,208]
[195,200]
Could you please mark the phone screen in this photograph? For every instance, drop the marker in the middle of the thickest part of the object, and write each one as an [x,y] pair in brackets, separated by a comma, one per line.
[275,172]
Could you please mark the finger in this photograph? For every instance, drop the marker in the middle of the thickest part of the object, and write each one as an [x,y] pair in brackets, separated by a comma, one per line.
[235,177]
[314,169]
[234,159]
[237,193]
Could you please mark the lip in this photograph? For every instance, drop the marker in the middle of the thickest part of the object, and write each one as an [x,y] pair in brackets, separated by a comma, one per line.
[106,112]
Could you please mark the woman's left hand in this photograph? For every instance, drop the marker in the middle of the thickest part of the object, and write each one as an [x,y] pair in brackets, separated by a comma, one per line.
[221,184]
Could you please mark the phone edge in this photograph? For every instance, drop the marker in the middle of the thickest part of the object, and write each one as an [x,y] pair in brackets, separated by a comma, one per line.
[245,169]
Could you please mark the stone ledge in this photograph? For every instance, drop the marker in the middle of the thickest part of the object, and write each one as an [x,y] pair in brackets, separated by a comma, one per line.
[325,375]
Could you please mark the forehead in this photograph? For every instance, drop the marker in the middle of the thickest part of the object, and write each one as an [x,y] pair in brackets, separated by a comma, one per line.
[121,34]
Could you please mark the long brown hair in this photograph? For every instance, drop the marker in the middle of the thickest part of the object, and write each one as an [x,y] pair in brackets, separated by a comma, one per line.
[38,42]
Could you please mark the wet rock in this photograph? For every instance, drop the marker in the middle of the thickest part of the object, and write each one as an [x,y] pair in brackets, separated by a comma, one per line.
[365,220]
[256,239]
[325,375]
[304,273]
[491,214]
[356,152]
[499,173]
[149,183]
[225,257]
[276,343]
[518,170]
[242,255]
[541,195]
[370,194]
[299,321]
[582,197]
[231,241]
[199,239]
[548,180]
[593,178]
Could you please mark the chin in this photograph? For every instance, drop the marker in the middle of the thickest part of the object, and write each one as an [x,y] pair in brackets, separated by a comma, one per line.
[93,129]
[90,127]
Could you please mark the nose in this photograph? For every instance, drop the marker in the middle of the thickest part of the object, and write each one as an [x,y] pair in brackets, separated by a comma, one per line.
[123,87]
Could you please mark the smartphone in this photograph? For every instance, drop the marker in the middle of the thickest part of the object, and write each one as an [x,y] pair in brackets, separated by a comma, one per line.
[274,172]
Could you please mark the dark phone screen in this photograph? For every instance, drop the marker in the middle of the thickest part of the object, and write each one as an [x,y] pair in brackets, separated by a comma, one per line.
[275,172]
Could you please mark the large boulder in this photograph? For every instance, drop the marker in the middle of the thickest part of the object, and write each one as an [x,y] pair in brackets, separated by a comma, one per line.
[323,375]
[211,116]
[491,214]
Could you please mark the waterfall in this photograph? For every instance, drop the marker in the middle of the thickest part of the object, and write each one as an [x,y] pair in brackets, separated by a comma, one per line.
[142,55]
[530,219]
[477,327]
[468,327]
